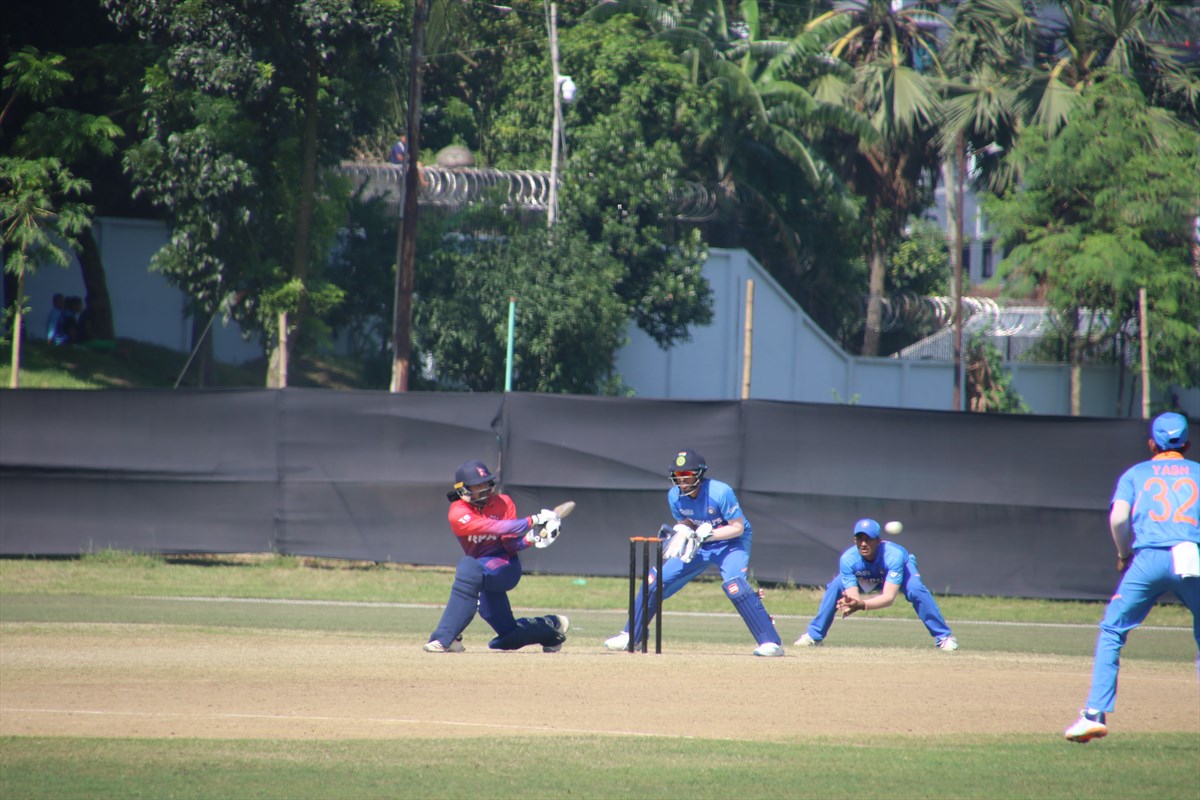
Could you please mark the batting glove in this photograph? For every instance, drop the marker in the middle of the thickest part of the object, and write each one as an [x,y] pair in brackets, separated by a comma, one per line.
[549,533]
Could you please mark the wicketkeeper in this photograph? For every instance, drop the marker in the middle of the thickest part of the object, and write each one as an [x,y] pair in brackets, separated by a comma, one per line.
[710,529]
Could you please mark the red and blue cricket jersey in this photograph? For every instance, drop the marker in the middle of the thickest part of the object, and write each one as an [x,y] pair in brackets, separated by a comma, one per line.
[494,530]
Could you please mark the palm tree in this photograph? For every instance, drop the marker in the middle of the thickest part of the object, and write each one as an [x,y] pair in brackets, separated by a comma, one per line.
[891,169]
[1129,37]
[983,58]
[757,146]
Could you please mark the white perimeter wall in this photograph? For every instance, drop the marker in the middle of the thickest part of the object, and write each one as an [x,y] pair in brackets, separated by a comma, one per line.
[792,359]
[145,306]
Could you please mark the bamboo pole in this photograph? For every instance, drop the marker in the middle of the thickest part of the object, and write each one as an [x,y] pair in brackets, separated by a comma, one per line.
[748,340]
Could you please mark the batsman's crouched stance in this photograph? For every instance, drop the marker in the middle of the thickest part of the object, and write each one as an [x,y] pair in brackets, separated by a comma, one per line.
[491,534]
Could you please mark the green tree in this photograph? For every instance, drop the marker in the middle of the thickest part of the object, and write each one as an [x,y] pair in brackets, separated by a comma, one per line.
[1130,37]
[989,384]
[248,105]
[39,223]
[1103,208]
[892,169]
[39,194]
[47,114]
[753,144]
[568,320]
[625,138]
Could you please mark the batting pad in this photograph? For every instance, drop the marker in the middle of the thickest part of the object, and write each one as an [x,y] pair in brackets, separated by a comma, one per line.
[749,605]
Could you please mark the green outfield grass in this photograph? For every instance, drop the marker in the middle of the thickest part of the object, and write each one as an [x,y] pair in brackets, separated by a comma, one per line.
[995,767]
[266,576]
[250,594]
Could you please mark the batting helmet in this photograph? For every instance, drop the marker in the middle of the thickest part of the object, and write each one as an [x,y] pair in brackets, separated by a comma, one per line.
[867,527]
[470,474]
[687,470]
[1169,431]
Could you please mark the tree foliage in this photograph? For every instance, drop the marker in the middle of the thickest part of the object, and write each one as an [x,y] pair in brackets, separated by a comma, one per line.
[625,138]
[989,384]
[245,104]
[1105,207]
[568,320]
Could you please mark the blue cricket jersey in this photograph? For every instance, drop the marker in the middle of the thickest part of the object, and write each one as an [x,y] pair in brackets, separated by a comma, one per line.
[715,503]
[890,564]
[1164,495]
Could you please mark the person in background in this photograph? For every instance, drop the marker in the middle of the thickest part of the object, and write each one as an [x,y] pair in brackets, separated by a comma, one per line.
[399,151]
[55,332]
[491,534]
[1154,521]
[875,565]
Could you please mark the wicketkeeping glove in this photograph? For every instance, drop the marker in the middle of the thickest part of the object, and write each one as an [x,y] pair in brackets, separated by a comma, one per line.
[678,542]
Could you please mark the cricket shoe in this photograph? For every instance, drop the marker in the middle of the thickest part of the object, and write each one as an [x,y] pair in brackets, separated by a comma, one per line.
[618,642]
[560,624]
[947,643]
[807,641]
[769,650]
[437,647]
[1090,725]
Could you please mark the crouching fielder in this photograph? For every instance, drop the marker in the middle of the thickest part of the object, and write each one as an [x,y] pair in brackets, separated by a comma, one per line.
[710,529]
[875,564]
[491,535]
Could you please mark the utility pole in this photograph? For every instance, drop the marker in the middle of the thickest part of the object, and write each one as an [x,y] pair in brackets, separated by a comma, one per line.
[556,126]
[406,247]
[956,255]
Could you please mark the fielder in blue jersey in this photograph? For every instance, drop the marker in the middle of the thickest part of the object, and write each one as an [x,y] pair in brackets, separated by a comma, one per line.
[491,534]
[1153,518]
[875,565]
[710,529]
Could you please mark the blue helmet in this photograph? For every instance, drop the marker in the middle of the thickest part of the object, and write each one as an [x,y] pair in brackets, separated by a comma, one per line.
[1169,431]
[687,471]
[868,527]
[470,474]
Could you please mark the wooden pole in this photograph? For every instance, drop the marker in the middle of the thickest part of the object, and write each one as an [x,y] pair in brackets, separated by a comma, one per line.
[406,248]
[1142,325]
[748,343]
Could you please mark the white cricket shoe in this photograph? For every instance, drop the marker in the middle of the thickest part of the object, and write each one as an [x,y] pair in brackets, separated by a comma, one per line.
[560,624]
[1087,727]
[949,644]
[768,650]
[436,647]
[618,642]
[807,641]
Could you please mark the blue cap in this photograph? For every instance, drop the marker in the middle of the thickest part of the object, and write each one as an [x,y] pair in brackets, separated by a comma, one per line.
[1169,431]
[867,526]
